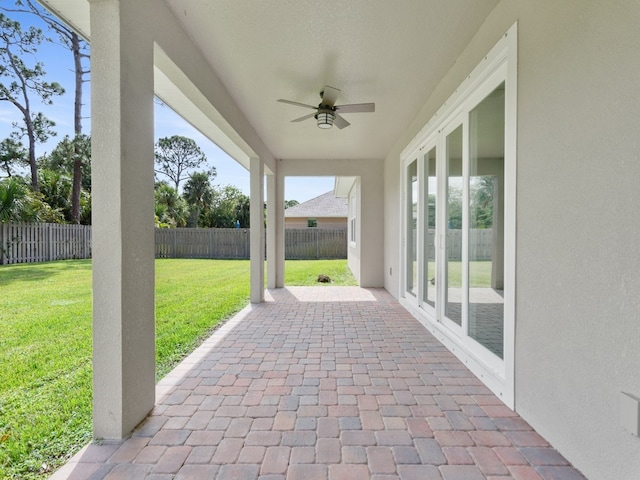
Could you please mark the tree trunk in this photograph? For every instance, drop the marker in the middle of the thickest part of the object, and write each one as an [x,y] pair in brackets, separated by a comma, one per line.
[77,124]
[32,152]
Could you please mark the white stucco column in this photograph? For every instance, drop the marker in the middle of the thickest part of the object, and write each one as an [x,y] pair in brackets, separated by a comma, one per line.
[279,234]
[256,181]
[271,231]
[122,208]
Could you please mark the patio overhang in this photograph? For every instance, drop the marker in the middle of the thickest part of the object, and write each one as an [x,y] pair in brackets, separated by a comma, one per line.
[222,66]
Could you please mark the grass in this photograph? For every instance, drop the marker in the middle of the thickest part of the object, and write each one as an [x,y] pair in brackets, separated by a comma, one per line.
[45,365]
[479,273]
[45,344]
[192,297]
[305,273]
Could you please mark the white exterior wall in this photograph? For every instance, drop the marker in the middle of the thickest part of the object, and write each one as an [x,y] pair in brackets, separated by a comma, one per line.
[353,249]
[577,255]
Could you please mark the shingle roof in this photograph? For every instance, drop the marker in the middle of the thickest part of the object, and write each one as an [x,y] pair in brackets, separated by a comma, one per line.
[325,205]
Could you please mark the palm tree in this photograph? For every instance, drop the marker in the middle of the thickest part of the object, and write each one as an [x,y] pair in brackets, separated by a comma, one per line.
[56,190]
[198,193]
[171,208]
[12,200]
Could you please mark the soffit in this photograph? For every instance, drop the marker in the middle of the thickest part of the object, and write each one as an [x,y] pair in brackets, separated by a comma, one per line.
[391,52]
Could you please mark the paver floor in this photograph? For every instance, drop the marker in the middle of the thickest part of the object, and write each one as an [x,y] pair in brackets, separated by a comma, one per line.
[324,383]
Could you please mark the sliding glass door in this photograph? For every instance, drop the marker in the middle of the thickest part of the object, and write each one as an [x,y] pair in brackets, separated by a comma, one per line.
[454,225]
[458,220]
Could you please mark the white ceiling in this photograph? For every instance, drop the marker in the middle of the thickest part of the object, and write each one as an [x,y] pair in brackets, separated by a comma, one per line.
[391,52]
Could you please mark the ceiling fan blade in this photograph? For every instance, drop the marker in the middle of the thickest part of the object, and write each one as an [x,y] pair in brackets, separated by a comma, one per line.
[340,122]
[330,95]
[356,108]
[311,115]
[291,102]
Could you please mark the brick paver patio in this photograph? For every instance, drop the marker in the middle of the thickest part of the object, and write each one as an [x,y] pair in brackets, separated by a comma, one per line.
[324,383]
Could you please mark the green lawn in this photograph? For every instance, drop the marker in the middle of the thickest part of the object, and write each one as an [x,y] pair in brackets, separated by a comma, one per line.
[479,273]
[45,344]
[304,272]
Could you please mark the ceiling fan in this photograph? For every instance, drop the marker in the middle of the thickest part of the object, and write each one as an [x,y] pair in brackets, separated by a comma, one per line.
[327,112]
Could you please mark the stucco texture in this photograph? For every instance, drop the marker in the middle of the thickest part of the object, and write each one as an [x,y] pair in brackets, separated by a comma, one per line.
[577,256]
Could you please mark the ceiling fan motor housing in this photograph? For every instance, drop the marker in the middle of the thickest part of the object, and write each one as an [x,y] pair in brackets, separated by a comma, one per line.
[325,116]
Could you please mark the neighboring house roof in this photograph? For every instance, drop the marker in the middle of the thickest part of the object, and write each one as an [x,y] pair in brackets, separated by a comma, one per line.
[326,205]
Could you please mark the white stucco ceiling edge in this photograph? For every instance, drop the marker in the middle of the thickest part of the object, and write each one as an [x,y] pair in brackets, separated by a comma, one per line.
[175,89]
[171,85]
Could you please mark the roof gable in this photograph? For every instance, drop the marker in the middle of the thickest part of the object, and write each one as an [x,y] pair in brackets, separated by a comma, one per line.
[325,205]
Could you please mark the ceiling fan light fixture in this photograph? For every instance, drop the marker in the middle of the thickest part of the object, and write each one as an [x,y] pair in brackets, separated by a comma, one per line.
[325,119]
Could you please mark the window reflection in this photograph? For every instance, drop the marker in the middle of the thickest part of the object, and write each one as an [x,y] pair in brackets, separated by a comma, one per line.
[486,224]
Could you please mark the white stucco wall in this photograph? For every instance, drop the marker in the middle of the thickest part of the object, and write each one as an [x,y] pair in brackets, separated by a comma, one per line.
[578,259]
[353,248]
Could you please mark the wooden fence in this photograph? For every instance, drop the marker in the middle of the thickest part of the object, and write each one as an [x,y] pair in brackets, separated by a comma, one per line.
[480,240]
[42,242]
[314,243]
[202,243]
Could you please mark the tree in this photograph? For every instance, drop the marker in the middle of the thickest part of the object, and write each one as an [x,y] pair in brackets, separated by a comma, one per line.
[79,50]
[481,193]
[170,208]
[228,206]
[290,203]
[18,203]
[198,194]
[63,157]
[242,210]
[12,154]
[12,205]
[68,153]
[55,188]
[176,156]
[19,81]
[62,161]
[454,207]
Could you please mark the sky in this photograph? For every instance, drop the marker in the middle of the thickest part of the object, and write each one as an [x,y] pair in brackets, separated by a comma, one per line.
[58,64]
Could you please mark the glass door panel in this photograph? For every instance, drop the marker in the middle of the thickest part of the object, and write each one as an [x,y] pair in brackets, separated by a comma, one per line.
[486,222]
[412,229]
[430,208]
[453,248]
